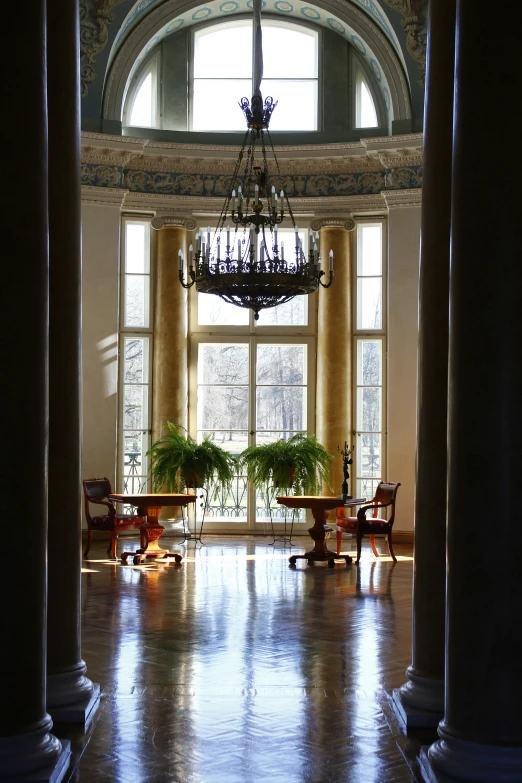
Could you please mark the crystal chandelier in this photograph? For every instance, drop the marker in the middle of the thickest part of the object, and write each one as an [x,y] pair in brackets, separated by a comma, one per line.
[253,268]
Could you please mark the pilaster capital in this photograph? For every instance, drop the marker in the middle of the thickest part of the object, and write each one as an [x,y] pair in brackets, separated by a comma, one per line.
[348,224]
[179,221]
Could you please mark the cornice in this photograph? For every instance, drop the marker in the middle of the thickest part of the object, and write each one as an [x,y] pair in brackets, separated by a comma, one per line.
[397,199]
[107,197]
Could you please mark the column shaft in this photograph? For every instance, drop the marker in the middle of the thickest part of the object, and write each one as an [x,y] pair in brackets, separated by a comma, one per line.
[482,728]
[170,371]
[425,689]
[25,742]
[66,681]
[334,350]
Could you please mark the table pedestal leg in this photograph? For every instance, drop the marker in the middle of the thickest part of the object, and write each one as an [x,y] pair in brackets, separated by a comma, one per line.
[320,533]
[150,532]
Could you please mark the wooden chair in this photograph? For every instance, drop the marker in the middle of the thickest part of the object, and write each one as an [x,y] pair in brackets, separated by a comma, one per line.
[97,490]
[385,496]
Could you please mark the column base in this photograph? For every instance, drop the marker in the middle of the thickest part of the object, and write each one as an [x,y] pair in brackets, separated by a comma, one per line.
[81,712]
[414,717]
[53,773]
[68,686]
[453,760]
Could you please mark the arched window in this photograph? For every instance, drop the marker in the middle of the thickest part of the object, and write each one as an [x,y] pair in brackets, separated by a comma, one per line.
[143,111]
[365,112]
[222,74]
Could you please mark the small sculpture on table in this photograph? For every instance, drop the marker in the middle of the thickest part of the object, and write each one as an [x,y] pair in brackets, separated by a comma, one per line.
[347,460]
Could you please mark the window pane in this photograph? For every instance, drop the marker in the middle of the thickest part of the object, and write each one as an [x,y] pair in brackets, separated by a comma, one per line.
[224,52]
[134,407]
[216,104]
[292,94]
[213,311]
[223,363]
[281,364]
[369,306]
[289,53]
[133,361]
[366,488]
[281,408]
[369,363]
[142,107]
[292,313]
[370,455]
[136,255]
[368,409]
[137,300]
[366,116]
[229,440]
[369,256]
[267,436]
[223,407]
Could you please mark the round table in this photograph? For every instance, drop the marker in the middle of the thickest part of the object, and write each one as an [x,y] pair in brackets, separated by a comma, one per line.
[319,506]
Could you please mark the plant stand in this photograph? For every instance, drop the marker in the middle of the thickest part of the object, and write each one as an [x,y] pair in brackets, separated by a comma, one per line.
[284,539]
[187,534]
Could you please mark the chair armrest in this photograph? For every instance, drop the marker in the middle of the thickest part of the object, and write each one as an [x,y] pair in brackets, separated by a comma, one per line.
[364,509]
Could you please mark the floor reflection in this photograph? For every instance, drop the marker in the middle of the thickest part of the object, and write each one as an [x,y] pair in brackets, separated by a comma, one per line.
[235,667]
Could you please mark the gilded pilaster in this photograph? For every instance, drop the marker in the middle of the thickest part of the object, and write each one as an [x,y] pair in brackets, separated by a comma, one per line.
[334,333]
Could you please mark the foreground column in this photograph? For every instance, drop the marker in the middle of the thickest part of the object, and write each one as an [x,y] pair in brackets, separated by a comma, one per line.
[69,692]
[420,702]
[334,347]
[26,745]
[481,734]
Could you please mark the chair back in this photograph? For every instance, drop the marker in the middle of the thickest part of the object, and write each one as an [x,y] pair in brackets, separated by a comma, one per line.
[96,489]
[386,493]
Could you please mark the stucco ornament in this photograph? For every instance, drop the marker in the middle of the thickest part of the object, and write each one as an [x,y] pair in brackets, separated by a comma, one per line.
[95,17]
[414,21]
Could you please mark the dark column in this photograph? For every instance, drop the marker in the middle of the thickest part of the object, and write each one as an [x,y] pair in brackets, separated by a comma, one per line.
[481,735]
[420,701]
[25,742]
[66,684]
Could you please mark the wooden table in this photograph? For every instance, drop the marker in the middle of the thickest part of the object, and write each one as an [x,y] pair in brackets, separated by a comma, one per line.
[319,506]
[150,506]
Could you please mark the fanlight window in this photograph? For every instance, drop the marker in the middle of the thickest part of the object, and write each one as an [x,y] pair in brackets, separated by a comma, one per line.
[223,75]
[365,113]
[143,110]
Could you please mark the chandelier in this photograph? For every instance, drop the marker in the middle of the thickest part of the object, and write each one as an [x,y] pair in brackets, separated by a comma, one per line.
[251,267]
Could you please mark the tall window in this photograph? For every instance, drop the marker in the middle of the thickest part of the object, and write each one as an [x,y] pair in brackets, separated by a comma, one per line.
[369,356]
[223,74]
[135,357]
[251,383]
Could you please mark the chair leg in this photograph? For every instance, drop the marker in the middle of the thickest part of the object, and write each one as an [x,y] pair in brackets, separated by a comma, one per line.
[339,537]
[389,540]
[372,541]
[111,550]
[359,542]
[89,541]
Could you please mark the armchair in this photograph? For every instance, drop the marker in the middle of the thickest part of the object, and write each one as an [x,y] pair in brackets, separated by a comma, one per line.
[96,491]
[385,496]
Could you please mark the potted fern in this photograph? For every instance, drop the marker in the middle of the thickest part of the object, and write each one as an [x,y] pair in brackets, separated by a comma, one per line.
[178,462]
[300,462]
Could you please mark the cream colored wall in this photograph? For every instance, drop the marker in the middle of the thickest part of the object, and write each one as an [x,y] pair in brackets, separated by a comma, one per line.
[403,281]
[100,280]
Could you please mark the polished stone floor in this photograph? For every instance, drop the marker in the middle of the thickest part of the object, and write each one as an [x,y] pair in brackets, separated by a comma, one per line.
[235,667]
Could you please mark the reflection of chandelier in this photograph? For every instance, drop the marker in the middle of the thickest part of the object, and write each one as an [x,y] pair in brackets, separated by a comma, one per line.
[250,269]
